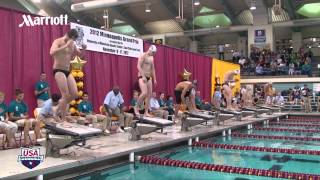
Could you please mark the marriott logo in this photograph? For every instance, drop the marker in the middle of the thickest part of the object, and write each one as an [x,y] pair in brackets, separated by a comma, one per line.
[36,21]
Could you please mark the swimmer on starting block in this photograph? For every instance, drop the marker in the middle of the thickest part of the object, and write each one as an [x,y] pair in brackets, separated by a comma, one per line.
[227,86]
[182,91]
[62,50]
[146,73]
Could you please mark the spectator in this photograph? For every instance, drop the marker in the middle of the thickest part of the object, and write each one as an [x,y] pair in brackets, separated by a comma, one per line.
[259,70]
[221,51]
[113,104]
[291,68]
[279,99]
[6,126]
[162,101]
[48,111]
[18,113]
[42,90]
[134,101]
[170,106]
[156,109]
[85,109]
[242,62]
[200,104]
[307,69]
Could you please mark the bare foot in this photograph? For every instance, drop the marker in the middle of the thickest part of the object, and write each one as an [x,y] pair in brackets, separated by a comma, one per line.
[148,115]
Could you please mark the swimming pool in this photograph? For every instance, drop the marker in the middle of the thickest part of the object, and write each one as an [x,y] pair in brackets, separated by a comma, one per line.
[229,158]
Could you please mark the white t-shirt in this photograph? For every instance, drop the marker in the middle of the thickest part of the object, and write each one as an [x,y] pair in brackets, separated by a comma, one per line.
[221,48]
[154,104]
[113,100]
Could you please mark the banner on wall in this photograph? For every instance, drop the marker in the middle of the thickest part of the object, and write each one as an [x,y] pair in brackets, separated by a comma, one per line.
[108,42]
[260,36]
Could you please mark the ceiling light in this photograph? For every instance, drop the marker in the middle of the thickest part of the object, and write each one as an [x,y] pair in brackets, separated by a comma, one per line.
[196,2]
[253,5]
[148,10]
[78,20]
[314,39]
[36,1]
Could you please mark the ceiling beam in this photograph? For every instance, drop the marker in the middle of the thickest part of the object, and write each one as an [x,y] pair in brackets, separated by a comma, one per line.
[174,13]
[229,12]
[29,6]
[290,9]
[123,13]
[84,19]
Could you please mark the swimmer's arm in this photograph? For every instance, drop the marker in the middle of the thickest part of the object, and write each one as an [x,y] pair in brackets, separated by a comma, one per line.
[80,52]
[153,73]
[183,99]
[140,61]
[55,47]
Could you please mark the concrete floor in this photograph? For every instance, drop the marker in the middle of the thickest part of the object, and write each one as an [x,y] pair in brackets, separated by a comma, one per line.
[115,145]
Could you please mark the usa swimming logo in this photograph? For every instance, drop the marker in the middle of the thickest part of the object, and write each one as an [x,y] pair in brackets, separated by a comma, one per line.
[30,157]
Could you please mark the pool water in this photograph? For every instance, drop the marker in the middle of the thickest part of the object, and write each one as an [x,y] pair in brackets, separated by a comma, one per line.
[286,144]
[297,163]
[148,171]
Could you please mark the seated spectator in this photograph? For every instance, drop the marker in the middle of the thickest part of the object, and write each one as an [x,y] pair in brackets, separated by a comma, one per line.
[259,70]
[134,100]
[6,126]
[88,116]
[47,113]
[113,104]
[200,104]
[307,69]
[156,109]
[278,99]
[162,101]
[170,106]
[18,113]
[242,62]
[291,69]
[42,90]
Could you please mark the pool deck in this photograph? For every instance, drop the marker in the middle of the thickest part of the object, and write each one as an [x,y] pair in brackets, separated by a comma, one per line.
[115,145]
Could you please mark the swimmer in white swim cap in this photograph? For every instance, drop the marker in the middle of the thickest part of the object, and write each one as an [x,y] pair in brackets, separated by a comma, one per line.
[146,73]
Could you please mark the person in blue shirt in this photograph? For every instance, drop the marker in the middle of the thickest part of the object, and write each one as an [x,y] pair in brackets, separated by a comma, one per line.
[42,90]
[85,109]
[18,113]
[47,113]
[113,103]
[7,126]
